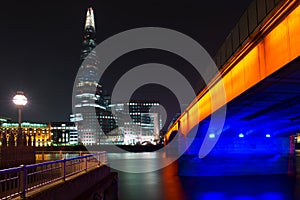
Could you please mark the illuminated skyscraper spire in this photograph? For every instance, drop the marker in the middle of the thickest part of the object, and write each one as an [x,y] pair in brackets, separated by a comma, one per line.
[89,41]
[90,19]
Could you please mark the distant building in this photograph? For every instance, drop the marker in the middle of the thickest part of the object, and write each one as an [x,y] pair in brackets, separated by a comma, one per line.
[44,134]
[15,152]
[4,120]
[143,126]
[64,133]
[38,132]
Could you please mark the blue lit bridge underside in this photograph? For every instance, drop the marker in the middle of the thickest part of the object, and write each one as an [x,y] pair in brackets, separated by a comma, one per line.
[256,137]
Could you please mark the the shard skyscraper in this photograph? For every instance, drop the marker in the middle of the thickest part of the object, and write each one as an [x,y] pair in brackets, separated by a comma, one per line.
[88,91]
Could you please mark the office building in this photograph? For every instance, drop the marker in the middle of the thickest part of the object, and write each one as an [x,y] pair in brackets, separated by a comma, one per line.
[64,133]
[143,125]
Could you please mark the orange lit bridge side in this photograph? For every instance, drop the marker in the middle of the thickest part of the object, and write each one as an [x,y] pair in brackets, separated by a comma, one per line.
[278,44]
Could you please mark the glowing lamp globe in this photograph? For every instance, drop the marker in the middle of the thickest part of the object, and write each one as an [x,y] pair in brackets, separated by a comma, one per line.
[20,99]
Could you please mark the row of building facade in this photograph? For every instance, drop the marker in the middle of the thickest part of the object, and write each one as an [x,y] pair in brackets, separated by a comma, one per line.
[43,134]
[143,127]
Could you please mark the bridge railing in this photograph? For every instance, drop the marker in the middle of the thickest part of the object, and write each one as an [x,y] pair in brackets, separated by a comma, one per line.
[20,180]
[43,156]
[249,22]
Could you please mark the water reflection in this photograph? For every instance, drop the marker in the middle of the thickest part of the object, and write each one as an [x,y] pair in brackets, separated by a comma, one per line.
[242,187]
[162,184]
[165,184]
[139,162]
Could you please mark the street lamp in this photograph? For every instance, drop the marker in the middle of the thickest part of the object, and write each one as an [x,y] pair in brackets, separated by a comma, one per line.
[20,100]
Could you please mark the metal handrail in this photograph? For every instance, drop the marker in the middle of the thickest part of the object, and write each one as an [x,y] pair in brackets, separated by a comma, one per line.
[19,180]
[52,155]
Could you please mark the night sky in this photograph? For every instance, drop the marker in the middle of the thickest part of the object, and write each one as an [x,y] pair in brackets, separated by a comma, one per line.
[41,44]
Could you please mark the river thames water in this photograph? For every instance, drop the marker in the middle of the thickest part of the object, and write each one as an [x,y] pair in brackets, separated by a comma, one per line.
[165,184]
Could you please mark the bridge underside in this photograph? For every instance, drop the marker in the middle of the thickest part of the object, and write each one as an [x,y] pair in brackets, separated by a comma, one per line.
[257,135]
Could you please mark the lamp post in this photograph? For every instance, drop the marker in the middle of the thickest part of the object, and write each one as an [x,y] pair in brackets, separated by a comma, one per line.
[20,101]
